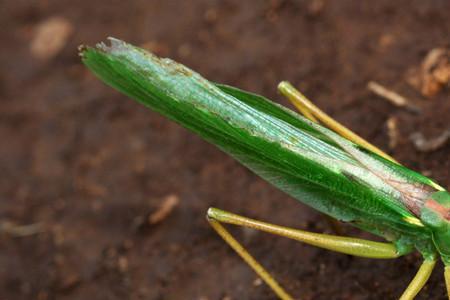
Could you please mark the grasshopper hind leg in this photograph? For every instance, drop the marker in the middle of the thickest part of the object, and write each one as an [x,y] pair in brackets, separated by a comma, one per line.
[346,245]
[249,259]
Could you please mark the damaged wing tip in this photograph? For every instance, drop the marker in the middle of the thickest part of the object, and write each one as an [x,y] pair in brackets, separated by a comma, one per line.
[81,50]
[114,45]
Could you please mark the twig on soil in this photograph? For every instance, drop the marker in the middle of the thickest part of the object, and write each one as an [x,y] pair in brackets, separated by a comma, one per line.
[424,145]
[164,210]
[20,230]
[391,96]
[393,134]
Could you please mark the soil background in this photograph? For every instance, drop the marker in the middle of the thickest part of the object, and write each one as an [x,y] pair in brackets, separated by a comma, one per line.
[86,167]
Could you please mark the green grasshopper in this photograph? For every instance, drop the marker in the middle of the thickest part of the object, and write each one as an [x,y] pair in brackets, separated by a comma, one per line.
[330,169]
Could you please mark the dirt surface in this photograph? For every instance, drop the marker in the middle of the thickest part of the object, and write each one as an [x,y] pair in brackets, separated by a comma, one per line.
[86,168]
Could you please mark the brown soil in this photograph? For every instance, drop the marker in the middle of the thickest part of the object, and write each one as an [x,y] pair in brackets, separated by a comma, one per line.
[91,166]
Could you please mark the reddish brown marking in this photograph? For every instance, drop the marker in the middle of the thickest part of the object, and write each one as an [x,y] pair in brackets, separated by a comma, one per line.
[443,211]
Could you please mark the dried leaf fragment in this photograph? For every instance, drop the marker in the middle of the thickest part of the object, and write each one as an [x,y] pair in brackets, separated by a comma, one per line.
[433,74]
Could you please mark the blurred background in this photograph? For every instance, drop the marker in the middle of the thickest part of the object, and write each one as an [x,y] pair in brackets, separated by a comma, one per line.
[103,199]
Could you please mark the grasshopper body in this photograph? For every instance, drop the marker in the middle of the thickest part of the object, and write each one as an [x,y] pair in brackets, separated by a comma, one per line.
[307,161]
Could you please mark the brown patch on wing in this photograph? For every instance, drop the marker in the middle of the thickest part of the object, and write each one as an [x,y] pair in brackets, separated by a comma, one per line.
[413,196]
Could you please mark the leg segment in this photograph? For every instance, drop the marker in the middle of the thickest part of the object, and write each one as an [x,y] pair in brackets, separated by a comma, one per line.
[313,113]
[352,246]
[248,258]
[419,280]
[447,280]
[346,245]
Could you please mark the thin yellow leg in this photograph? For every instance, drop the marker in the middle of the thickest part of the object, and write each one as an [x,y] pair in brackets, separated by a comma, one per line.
[313,113]
[347,245]
[248,258]
[447,280]
[419,280]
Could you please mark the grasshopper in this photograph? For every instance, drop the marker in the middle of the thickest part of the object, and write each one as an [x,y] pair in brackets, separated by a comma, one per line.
[327,167]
